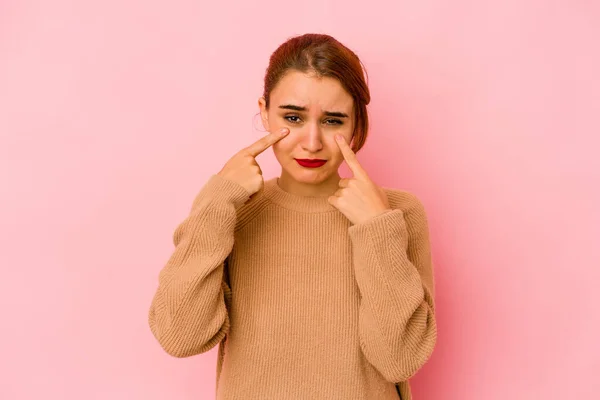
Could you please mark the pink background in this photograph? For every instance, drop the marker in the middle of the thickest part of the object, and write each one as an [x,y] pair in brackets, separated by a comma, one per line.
[113,114]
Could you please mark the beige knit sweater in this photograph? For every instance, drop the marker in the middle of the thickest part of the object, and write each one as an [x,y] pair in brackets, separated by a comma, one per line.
[303,304]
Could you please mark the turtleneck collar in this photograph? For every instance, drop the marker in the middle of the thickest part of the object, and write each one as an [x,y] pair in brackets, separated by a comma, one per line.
[308,204]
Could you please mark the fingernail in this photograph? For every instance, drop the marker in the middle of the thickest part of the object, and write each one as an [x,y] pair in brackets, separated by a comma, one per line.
[338,137]
[283,131]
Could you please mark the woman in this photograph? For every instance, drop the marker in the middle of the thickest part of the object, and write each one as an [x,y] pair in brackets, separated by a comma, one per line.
[313,286]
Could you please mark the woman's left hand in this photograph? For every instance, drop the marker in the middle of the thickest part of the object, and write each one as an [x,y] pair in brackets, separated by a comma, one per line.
[358,198]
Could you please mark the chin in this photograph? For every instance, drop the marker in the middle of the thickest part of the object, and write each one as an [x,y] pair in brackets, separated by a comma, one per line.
[314,176]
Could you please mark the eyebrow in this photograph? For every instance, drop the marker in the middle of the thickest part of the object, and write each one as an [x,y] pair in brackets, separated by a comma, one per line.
[328,113]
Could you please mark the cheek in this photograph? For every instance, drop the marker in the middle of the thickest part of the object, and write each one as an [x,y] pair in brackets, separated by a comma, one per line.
[285,145]
[347,135]
[334,152]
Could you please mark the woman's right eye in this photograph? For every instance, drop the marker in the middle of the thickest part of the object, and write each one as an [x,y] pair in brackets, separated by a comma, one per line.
[287,117]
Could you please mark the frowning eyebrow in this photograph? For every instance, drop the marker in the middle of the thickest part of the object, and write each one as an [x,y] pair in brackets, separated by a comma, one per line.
[327,113]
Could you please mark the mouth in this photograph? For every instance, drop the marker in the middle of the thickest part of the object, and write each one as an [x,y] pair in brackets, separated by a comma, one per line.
[310,163]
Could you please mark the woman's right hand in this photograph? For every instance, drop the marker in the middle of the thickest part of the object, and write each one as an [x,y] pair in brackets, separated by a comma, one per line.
[243,169]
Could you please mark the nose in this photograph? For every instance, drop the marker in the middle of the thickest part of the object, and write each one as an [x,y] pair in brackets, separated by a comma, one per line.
[312,141]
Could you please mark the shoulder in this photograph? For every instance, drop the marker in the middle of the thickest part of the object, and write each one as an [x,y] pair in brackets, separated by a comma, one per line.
[257,203]
[410,204]
[403,200]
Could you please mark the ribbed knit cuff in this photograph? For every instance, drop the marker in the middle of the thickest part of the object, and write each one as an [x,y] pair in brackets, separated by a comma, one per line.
[385,226]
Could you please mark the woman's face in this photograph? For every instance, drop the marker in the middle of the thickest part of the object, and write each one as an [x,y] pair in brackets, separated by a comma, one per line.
[315,110]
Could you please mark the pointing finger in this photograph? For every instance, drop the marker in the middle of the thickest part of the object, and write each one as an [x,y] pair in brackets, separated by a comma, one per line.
[350,157]
[266,141]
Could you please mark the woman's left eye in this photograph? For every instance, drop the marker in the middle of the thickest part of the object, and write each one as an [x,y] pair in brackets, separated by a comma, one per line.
[334,122]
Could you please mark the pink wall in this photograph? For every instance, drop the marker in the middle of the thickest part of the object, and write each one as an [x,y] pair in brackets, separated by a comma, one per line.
[113,114]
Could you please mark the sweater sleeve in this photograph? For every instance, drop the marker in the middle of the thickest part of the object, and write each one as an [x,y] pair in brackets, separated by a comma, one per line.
[394,273]
[188,313]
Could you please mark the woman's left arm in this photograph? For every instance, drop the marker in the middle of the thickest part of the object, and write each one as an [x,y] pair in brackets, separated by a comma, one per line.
[394,273]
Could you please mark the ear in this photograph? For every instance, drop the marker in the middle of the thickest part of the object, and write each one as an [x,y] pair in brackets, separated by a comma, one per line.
[264,114]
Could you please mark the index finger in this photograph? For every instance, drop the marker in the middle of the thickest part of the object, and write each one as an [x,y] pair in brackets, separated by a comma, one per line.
[266,141]
[350,157]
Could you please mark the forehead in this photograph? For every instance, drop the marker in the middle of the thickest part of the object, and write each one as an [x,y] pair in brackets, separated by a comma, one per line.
[315,93]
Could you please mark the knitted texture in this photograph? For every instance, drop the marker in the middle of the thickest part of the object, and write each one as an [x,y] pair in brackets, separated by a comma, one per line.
[302,304]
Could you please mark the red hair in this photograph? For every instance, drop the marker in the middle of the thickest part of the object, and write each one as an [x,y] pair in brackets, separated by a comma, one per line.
[324,56]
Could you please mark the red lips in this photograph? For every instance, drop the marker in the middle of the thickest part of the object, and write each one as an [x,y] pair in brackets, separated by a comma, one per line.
[315,163]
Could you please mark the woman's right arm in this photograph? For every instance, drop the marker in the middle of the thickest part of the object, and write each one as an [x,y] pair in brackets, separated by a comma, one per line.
[188,314]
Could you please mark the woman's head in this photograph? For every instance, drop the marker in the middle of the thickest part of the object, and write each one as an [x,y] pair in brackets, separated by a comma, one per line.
[316,87]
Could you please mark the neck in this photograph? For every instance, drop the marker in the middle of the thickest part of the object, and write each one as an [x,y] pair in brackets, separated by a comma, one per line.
[322,189]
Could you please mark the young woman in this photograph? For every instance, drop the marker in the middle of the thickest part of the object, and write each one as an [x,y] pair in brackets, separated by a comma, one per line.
[313,286]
